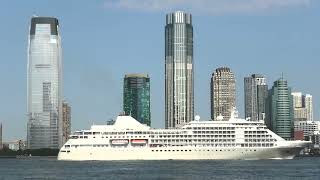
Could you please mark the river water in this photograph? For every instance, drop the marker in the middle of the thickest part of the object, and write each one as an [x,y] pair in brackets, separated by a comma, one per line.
[50,168]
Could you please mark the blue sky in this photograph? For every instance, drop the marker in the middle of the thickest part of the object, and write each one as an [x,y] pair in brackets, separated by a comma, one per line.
[104,39]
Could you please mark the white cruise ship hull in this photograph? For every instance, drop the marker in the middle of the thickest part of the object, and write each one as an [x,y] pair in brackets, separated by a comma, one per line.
[113,154]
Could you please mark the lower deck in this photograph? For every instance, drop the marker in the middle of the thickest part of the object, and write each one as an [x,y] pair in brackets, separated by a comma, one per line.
[176,153]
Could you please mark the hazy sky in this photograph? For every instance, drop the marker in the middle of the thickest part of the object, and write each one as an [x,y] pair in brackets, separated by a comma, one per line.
[104,39]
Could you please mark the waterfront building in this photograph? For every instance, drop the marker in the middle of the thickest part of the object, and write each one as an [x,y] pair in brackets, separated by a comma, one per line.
[66,120]
[1,146]
[223,93]
[279,116]
[179,78]
[308,127]
[44,81]
[136,97]
[255,95]
[315,139]
[15,145]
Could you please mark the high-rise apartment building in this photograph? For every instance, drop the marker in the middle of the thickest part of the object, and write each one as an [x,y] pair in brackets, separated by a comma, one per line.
[66,120]
[136,97]
[255,95]
[44,84]
[302,106]
[179,81]
[279,116]
[309,107]
[223,93]
[299,109]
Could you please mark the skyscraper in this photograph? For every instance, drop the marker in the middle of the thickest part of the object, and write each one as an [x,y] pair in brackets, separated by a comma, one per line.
[179,90]
[223,93]
[66,120]
[255,92]
[279,116]
[136,97]
[44,84]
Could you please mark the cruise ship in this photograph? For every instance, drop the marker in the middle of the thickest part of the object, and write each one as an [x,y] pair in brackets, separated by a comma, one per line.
[127,139]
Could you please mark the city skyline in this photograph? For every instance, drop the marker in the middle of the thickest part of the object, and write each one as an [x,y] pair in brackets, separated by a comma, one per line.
[214,40]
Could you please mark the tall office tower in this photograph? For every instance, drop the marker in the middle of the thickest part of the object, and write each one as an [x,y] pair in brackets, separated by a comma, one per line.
[255,94]
[136,97]
[279,114]
[1,136]
[223,93]
[309,107]
[179,85]
[66,120]
[44,84]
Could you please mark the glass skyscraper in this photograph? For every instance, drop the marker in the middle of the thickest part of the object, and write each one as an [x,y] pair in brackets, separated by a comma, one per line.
[136,97]
[255,95]
[44,84]
[279,116]
[179,85]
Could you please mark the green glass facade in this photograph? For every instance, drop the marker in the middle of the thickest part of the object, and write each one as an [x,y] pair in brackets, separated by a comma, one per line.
[136,97]
[279,117]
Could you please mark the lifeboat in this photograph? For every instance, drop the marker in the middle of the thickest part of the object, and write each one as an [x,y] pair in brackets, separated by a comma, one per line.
[119,141]
[138,141]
